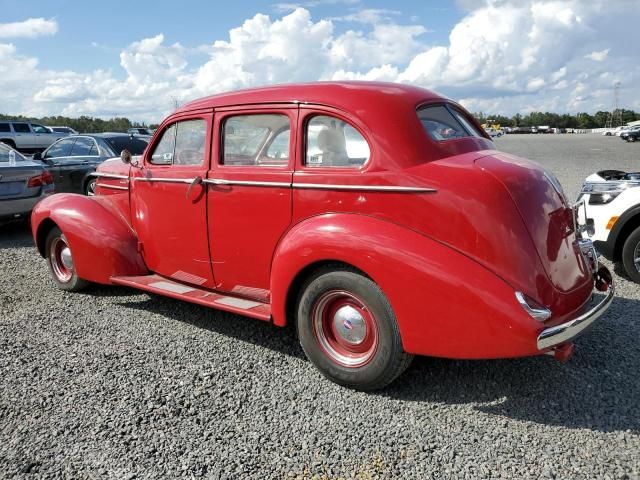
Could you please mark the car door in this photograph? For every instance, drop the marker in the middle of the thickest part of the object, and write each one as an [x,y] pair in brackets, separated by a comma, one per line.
[54,158]
[169,200]
[43,137]
[83,158]
[249,194]
[57,157]
[25,139]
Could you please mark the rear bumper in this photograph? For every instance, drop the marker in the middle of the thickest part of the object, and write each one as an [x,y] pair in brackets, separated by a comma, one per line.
[17,208]
[20,207]
[567,331]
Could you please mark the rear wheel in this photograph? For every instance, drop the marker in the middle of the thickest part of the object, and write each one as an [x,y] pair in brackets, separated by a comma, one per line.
[631,255]
[9,143]
[60,260]
[348,330]
[90,189]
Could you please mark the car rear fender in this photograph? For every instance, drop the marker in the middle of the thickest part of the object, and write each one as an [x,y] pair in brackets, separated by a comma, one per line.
[446,304]
[102,242]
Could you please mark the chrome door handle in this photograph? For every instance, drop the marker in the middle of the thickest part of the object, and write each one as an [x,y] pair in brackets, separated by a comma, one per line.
[196,181]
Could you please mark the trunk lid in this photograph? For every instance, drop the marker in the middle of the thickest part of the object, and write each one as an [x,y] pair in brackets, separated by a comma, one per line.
[14,180]
[547,215]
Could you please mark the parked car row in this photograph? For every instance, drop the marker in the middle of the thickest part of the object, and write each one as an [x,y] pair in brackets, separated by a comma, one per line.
[29,137]
[65,166]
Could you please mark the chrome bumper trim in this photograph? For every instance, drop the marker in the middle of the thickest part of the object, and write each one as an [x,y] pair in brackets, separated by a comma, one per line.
[567,331]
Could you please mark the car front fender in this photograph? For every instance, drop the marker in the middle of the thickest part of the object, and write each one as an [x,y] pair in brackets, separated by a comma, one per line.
[102,243]
[446,304]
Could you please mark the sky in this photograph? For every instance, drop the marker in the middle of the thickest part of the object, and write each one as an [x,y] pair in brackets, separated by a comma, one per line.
[139,59]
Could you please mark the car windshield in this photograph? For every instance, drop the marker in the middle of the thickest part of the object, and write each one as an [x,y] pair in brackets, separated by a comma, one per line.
[4,154]
[135,145]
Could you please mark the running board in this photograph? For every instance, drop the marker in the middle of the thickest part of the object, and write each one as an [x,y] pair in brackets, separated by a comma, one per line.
[189,293]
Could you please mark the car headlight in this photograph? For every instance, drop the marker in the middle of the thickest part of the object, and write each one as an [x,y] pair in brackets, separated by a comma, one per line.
[601,193]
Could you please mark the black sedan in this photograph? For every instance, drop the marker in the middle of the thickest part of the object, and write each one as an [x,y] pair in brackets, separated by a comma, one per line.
[72,159]
[632,134]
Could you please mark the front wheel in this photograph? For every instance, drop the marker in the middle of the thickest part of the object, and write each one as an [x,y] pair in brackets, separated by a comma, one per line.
[348,330]
[60,260]
[631,255]
[631,139]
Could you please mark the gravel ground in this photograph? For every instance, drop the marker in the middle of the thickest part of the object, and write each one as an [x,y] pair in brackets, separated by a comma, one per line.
[117,384]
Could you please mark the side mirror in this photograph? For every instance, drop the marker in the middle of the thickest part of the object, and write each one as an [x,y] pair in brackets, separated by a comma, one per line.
[125,156]
[37,156]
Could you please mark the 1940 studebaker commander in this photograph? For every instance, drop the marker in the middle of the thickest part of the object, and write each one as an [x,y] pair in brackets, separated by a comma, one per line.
[377,217]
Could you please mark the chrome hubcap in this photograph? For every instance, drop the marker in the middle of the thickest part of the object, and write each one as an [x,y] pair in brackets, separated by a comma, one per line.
[91,188]
[350,325]
[61,260]
[636,257]
[345,329]
[65,258]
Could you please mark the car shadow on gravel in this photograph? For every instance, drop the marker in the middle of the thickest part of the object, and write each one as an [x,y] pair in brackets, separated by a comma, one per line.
[256,332]
[598,389]
[15,234]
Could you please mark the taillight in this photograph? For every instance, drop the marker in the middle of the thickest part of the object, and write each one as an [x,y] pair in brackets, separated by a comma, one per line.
[45,178]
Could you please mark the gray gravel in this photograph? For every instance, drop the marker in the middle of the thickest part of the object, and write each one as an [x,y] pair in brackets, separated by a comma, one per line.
[117,384]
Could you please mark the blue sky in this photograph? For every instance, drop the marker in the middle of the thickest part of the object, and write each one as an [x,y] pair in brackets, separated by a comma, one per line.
[92,34]
[137,59]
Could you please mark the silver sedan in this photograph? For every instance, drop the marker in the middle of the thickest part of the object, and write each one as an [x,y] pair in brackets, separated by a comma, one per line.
[23,183]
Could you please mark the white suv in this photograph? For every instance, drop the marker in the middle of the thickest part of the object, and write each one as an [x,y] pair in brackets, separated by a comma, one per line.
[610,214]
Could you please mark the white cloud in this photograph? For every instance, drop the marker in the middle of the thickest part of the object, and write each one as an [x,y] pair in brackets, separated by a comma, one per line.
[598,56]
[31,28]
[502,57]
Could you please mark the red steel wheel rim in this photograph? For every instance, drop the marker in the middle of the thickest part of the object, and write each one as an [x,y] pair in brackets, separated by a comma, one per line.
[61,260]
[345,328]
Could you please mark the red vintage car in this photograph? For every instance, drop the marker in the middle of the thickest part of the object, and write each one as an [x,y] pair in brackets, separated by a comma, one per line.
[376,217]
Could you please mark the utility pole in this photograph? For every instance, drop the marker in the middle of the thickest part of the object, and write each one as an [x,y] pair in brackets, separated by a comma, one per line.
[614,119]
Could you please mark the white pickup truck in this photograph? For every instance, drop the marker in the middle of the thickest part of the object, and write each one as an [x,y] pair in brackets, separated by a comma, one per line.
[27,136]
[610,215]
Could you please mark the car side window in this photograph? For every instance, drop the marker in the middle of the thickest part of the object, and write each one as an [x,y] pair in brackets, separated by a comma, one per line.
[84,147]
[62,148]
[21,128]
[163,153]
[183,143]
[441,124]
[256,140]
[332,142]
[39,128]
[4,127]
[190,142]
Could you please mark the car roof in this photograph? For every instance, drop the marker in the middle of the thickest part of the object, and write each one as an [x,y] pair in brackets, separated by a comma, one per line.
[343,95]
[104,135]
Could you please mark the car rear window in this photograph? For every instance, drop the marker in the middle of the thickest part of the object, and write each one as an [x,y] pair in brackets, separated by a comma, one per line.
[4,154]
[443,122]
[135,145]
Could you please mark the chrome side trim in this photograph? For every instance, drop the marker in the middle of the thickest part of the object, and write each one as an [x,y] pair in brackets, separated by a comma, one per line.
[108,175]
[248,183]
[113,187]
[163,180]
[567,331]
[540,314]
[372,188]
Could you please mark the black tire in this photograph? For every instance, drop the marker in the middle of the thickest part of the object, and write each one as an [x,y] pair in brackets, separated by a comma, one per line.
[9,143]
[62,271]
[631,252]
[90,187]
[631,139]
[378,357]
